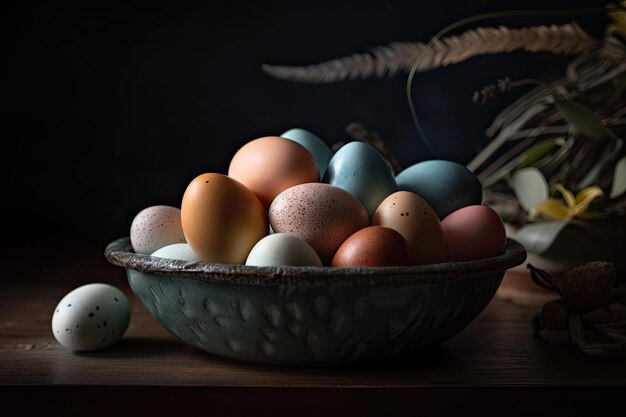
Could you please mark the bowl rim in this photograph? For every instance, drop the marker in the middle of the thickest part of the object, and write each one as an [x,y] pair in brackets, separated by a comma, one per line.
[120,253]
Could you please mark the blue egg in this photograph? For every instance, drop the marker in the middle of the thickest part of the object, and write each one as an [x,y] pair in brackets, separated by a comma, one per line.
[445,185]
[320,150]
[359,169]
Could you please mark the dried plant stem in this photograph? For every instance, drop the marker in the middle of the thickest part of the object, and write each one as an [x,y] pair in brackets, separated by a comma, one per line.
[398,57]
[504,85]
[510,121]
[510,13]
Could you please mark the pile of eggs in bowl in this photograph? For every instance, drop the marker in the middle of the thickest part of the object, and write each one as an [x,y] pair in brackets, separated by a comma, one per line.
[288,200]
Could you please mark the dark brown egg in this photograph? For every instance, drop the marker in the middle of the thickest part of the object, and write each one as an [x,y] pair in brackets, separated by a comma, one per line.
[373,246]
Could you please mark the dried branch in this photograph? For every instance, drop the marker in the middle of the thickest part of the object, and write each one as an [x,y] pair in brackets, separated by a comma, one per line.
[400,56]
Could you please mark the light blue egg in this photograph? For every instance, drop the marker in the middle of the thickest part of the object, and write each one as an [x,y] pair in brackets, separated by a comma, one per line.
[282,249]
[320,150]
[445,185]
[180,251]
[359,169]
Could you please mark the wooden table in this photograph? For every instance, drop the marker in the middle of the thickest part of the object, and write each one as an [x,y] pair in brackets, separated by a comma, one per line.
[494,367]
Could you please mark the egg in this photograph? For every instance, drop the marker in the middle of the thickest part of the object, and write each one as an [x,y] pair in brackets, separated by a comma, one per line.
[180,251]
[318,148]
[373,246]
[321,214]
[473,232]
[359,169]
[91,317]
[281,249]
[155,227]
[222,219]
[445,185]
[270,165]
[412,217]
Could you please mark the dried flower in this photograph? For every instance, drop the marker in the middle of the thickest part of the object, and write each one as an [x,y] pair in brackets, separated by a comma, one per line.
[553,209]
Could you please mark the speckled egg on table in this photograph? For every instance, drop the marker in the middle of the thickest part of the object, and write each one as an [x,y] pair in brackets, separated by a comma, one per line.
[91,317]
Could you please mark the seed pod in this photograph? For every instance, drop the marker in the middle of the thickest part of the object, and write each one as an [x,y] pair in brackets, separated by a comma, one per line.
[555,316]
[588,287]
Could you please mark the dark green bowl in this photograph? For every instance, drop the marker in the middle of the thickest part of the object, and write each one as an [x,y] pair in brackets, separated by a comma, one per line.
[312,316]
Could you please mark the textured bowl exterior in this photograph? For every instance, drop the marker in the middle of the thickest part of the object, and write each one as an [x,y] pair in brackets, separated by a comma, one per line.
[310,316]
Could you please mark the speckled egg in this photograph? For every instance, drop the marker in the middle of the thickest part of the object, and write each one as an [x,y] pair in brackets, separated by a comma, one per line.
[318,148]
[411,216]
[321,214]
[180,251]
[445,185]
[359,169]
[270,165]
[282,249]
[373,246]
[155,227]
[91,317]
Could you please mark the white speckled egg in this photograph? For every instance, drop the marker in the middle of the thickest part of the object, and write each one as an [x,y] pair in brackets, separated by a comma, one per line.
[180,251]
[91,317]
[156,227]
[281,249]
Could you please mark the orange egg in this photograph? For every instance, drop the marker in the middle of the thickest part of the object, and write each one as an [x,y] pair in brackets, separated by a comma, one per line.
[412,217]
[373,246]
[222,220]
[270,165]
[474,232]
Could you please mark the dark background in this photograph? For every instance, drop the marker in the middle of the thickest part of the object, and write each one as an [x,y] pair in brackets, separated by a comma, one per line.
[110,108]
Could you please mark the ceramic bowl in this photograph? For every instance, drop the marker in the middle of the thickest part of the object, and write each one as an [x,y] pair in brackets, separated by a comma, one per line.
[312,316]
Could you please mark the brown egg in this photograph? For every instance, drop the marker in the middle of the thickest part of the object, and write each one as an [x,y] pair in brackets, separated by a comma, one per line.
[473,232]
[270,165]
[222,220]
[373,246]
[411,216]
[321,214]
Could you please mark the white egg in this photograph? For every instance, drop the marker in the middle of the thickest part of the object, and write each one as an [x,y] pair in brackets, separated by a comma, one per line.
[91,317]
[280,249]
[181,251]
[155,227]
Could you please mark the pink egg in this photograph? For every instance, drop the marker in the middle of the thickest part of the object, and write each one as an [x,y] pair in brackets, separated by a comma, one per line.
[473,232]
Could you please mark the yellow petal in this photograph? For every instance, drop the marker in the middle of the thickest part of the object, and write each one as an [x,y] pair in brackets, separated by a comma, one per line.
[587,195]
[568,196]
[552,209]
[619,21]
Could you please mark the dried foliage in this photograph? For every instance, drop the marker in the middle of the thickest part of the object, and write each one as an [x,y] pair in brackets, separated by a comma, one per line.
[400,56]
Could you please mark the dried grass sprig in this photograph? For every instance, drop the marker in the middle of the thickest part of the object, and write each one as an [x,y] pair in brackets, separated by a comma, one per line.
[399,56]
[501,86]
